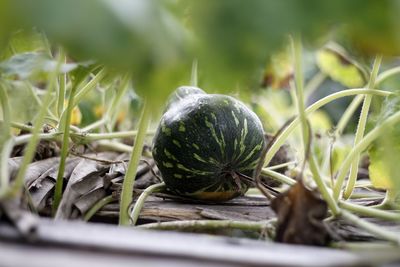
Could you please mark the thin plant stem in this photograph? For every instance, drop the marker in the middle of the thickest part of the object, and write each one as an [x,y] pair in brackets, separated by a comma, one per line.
[81,93]
[194,77]
[22,139]
[360,147]
[348,114]
[5,155]
[47,46]
[191,225]
[96,207]
[112,112]
[361,128]
[5,106]
[93,125]
[89,137]
[282,165]
[64,151]
[129,180]
[134,215]
[369,211]
[320,103]
[6,143]
[39,102]
[372,228]
[115,146]
[278,176]
[89,86]
[297,50]
[61,87]
[21,126]
[326,194]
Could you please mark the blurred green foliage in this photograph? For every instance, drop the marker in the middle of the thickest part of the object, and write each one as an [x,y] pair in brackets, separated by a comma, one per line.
[157,40]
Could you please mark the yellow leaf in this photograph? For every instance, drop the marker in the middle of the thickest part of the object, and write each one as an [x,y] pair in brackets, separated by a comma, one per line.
[339,69]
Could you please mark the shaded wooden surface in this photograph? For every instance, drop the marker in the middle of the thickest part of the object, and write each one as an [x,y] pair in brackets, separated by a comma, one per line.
[78,244]
[160,209]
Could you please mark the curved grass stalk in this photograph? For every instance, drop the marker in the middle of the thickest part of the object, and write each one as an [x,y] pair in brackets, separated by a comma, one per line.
[96,207]
[297,50]
[64,151]
[361,128]
[369,211]
[360,147]
[88,137]
[22,139]
[6,143]
[6,112]
[89,86]
[129,180]
[194,77]
[93,125]
[39,102]
[115,146]
[134,215]
[317,105]
[348,114]
[278,176]
[282,165]
[5,155]
[21,126]
[112,113]
[372,228]
[61,87]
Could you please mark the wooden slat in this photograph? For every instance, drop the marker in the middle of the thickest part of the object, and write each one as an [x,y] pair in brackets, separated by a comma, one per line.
[78,244]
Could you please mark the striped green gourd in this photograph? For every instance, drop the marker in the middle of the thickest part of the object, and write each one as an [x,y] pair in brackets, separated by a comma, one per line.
[206,143]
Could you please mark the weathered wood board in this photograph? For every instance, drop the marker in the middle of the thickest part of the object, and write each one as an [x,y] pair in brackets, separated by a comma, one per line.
[63,243]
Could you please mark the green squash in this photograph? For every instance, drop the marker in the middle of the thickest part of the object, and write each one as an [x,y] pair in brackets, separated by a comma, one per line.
[205,144]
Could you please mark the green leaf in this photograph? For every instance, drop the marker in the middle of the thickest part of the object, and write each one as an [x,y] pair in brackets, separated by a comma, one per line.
[23,107]
[340,68]
[22,41]
[384,154]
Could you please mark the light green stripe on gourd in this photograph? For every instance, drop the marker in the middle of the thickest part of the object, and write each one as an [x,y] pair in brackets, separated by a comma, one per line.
[176,142]
[180,166]
[182,127]
[235,118]
[243,134]
[168,164]
[196,156]
[214,135]
[165,129]
[254,150]
[169,155]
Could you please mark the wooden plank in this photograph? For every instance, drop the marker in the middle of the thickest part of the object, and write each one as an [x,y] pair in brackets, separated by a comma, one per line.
[159,209]
[87,244]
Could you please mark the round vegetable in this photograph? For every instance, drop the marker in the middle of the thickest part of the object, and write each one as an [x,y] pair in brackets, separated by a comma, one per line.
[206,144]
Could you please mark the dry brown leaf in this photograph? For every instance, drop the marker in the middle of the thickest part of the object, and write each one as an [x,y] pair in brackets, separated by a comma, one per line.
[300,214]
